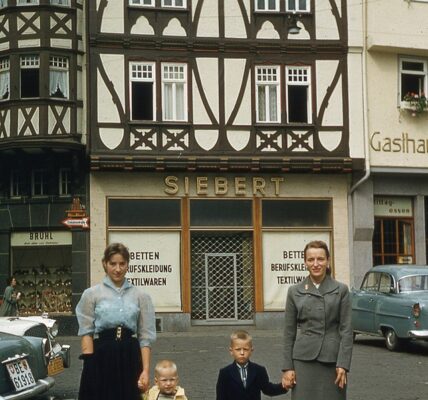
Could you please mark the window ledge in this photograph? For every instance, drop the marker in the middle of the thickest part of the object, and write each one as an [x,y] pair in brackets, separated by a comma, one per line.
[407,105]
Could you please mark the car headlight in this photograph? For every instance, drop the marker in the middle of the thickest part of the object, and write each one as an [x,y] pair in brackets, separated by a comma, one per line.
[54,330]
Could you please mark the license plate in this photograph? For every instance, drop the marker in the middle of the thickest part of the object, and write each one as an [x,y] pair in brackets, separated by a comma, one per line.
[55,366]
[20,374]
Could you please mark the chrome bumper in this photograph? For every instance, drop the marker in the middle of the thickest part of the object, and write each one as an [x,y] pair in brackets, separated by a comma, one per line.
[42,386]
[418,334]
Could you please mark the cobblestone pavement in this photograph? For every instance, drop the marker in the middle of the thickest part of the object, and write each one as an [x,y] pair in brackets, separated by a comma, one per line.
[376,373]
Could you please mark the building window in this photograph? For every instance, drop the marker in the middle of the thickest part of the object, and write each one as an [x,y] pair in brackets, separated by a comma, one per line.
[16,183]
[174,92]
[413,77]
[148,3]
[30,76]
[3,3]
[58,77]
[298,93]
[174,3]
[61,2]
[26,2]
[267,5]
[142,77]
[267,94]
[297,5]
[64,181]
[4,78]
[39,182]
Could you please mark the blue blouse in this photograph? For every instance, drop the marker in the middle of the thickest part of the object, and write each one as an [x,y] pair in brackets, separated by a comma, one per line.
[105,306]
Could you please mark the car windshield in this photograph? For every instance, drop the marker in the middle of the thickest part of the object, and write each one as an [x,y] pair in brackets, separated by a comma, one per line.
[413,283]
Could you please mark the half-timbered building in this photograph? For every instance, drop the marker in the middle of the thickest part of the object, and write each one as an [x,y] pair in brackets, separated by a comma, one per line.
[42,151]
[223,136]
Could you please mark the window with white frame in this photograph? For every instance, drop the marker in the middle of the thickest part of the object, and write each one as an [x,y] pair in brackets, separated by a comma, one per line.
[26,2]
[267,93]
[413,77]
[298,93]
[61,2]
[174,3]
[64,181]
[174,92]
[58,77]
[3,3]
[297,5]
[16,183]
[4,78]
[30,65]
[147,3]
[267,5]
[39,182]
[143,94]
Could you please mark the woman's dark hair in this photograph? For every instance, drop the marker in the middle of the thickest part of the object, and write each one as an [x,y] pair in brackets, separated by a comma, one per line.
[9,280]
[318,244]
[116,248]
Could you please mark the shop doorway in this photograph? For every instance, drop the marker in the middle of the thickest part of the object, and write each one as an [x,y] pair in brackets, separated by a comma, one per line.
[222,278]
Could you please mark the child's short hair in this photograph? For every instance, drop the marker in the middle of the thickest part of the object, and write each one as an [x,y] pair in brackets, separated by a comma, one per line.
[163,365]
[242,335]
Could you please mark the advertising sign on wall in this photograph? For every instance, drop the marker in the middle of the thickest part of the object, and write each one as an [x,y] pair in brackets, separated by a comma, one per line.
[283,264]
[154,265]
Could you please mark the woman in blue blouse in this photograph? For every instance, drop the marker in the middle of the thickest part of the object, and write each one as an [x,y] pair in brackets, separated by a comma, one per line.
[117,326]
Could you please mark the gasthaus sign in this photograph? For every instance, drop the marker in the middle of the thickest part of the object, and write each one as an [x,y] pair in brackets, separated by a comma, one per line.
[283,264]
[154,265]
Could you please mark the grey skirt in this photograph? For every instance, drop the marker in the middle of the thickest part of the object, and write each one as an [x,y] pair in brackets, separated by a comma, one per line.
[315,381]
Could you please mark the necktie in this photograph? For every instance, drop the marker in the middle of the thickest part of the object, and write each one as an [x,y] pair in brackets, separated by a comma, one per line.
[243,372]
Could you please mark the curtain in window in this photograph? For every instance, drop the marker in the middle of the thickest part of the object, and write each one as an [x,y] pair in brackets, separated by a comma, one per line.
[273,112]
[3,3]
[168,101]
[179,92]
[60,2]
[261,95]
[4,85]
[58,86]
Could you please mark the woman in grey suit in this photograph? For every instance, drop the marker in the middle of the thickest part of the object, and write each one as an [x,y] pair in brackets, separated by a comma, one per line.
[318,332]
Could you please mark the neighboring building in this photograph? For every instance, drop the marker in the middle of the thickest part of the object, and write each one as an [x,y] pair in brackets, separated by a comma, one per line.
[390,205]
[42,151]
[220,144]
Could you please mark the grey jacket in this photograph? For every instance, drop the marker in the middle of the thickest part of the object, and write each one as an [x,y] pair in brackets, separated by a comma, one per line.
[318,323]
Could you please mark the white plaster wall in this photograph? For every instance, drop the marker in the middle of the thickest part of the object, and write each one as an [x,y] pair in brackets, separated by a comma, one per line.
[234,73]
[208,71]
[326,26]
[113,17]
[114,66]
[234,22]
[356,107]
[389,120]
[209,19]
[103,184]
[355,23]
[398,24]
[28,43]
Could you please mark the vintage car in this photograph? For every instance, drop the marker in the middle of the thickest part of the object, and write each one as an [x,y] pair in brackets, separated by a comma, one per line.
[392,302]
[29,356]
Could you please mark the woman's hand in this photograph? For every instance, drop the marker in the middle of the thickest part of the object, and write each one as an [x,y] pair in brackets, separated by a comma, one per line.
[340,377]
[288,379]
[144,381]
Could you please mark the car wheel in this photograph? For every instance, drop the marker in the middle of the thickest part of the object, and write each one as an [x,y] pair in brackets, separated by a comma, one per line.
[392,341]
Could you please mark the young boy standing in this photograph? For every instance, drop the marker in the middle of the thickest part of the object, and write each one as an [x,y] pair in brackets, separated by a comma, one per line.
[243,379]
[166,383]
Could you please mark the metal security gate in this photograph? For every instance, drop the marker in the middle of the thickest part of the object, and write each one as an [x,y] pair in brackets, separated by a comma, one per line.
[222,278]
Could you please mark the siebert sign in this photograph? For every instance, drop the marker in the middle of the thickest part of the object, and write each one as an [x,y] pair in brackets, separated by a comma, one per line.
[220,185]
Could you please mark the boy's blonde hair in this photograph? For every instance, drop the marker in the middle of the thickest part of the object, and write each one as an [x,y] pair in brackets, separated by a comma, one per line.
[242,335]
[164,365]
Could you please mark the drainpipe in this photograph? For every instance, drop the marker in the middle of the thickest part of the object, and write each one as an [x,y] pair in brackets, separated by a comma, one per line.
[365,103]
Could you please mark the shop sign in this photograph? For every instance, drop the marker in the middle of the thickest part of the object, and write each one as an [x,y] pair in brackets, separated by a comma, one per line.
[154,265]
[283,264]
[41,238]
[388,206]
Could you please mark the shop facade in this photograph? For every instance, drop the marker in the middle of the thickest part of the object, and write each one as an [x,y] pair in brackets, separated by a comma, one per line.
[215,249]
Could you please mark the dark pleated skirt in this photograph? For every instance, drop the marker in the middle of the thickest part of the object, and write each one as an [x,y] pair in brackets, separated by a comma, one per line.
[315,381]
[113,372]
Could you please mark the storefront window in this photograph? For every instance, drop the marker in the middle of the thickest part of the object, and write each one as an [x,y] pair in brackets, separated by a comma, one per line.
[393,241]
